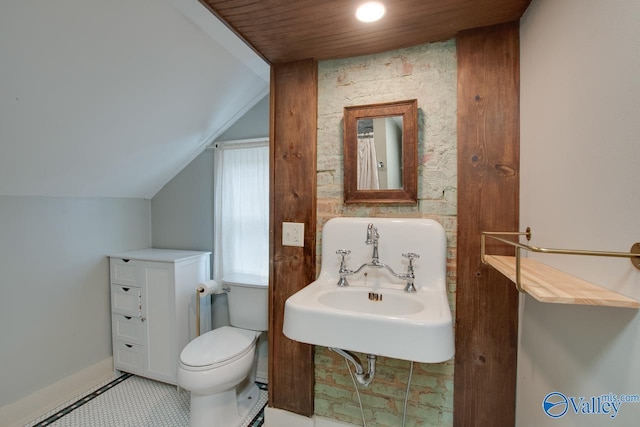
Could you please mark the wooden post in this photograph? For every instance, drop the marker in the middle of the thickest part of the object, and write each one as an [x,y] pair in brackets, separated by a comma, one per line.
[488,199]
[293,134]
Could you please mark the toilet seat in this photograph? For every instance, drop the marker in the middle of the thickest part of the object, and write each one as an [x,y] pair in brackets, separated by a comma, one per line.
[217,348]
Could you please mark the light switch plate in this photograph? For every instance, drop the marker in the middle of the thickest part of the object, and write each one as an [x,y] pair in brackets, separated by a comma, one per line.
[293,234]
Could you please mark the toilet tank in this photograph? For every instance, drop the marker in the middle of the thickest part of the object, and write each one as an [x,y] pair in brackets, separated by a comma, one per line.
[248,297]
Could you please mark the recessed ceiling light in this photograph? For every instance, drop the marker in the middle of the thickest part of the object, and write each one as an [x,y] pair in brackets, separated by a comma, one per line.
[370,11]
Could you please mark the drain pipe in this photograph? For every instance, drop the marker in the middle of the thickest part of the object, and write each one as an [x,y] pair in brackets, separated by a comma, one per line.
[363,378]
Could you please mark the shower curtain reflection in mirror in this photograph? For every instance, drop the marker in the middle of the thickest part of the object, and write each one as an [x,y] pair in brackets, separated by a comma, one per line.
[367,163]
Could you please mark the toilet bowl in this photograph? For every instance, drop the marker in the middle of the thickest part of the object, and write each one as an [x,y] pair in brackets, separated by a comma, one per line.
[218,367]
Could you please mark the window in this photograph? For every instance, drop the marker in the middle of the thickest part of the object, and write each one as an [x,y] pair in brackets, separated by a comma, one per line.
[241,209]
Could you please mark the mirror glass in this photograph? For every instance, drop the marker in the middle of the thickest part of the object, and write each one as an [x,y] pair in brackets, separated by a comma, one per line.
[380,153]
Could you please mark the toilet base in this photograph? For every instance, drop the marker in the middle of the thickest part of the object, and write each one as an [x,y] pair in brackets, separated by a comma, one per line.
[248,401]
[224,409]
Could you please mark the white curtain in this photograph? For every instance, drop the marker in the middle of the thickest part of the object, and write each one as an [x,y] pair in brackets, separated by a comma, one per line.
[367,164]
[241,209]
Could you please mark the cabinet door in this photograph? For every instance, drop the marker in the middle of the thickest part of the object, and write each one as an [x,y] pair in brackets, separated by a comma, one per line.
[159,310]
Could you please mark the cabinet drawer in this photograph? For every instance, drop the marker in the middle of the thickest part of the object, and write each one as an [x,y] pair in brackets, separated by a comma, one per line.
[123,271]
[127,328]
[128,357]
[126,300]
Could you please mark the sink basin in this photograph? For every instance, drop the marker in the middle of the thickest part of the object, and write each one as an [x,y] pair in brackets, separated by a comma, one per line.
[390,302]
[374,314]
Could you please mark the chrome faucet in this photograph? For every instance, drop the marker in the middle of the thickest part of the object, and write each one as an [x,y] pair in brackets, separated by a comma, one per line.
[372,239]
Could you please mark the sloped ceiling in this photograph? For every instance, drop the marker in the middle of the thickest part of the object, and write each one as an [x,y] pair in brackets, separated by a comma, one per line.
[112,98]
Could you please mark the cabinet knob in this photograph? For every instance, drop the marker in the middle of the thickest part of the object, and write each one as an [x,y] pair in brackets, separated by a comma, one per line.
[126,289]
[142,319]
[126,260]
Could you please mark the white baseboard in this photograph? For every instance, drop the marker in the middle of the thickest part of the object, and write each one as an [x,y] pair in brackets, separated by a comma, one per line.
[274,417]
[49,398]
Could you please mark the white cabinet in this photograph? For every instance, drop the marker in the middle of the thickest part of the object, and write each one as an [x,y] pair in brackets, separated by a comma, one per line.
[153,308]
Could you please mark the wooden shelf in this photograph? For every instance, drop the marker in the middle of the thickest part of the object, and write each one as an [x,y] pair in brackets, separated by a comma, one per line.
[546,284]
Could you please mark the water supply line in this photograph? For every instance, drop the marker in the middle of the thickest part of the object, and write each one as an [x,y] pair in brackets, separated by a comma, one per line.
[363,378]
[366,379]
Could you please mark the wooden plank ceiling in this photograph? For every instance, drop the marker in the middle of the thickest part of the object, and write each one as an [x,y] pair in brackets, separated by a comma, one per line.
[289,30]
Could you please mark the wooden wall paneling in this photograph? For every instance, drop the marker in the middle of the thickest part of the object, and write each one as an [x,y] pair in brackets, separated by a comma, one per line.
[293,131]
[285,30]
[488,199]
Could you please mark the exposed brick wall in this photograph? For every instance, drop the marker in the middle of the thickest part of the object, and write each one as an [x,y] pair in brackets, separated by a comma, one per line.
[426,73]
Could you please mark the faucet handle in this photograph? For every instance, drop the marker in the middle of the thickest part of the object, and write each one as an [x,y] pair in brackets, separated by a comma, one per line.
[343,252]
[410,287]
[411,256]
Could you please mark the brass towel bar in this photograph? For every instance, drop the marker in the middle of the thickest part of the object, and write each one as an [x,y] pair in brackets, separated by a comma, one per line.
[633,254]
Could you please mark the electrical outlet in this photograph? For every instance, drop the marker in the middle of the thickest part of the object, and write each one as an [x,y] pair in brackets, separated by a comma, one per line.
[293,234]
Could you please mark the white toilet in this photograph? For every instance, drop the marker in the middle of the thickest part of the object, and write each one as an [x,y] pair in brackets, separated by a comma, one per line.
[218,367]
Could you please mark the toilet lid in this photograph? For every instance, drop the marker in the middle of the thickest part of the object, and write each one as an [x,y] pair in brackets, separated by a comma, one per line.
[217,346]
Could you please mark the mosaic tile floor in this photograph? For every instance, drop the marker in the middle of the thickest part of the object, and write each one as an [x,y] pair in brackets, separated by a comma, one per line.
[132,401]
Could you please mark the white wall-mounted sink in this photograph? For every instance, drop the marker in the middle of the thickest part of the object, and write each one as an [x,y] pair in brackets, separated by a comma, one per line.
[374,314]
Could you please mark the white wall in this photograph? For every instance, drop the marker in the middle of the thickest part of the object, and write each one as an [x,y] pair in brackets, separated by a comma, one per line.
[182,212]
[253,124]
[134,88]
[54,286]
[580,157]
[394,154]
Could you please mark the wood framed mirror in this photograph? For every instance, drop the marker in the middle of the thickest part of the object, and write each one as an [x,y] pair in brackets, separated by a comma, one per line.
[381,153]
